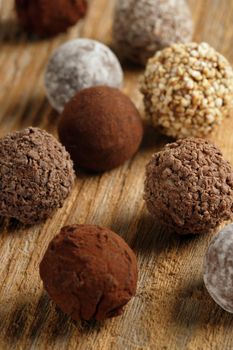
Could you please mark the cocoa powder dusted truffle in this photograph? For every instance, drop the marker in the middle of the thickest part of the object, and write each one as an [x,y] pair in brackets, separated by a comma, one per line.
[188,90]
[90,272]
[218,268]
[189,186]
[141,27]
[49,17]
[36,175]
[101,128]
[80,64]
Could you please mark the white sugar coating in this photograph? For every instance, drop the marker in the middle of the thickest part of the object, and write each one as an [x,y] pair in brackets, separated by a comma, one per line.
[79,64]
[141,27]
[218,268]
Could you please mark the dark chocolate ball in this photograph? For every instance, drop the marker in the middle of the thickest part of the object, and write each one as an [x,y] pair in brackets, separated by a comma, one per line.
[101,128]
[189,186]
[49,17]
[36,175]
[89,271]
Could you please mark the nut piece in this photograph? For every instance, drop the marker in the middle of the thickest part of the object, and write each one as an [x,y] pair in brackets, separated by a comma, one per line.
[49,17]
[189,186]
[90,272]
[218,268]
[36,175]
[188,90]
[141,27]
[79,64]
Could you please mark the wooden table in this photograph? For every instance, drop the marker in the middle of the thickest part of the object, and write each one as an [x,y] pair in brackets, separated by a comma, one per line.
[172,309]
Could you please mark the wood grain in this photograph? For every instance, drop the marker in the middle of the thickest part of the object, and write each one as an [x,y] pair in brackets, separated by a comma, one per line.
[172,309]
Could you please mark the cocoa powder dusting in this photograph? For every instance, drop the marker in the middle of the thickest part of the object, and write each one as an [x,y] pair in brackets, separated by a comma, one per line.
[49,17]
[101,128]
[90,272]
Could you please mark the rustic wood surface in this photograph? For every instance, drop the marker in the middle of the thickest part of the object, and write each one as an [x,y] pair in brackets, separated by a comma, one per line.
[172,309]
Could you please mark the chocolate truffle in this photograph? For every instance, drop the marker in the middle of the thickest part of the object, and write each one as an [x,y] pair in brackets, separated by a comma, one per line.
[141,27]
[79,64]
[36,175]
[189,186]
[49,17]
[188,90]
[101,128]
[90,272]
[218,268]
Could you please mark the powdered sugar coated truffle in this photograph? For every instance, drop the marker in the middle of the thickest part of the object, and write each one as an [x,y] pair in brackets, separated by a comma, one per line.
[142,27]
[79,64]
[218,268]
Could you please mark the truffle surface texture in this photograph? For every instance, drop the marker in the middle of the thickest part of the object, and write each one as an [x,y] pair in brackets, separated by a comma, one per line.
[79,64]
[36,175]
[218,268]
[189,186]
[90,272]
[141,27]
[101,128]
[188,90]
[49,17]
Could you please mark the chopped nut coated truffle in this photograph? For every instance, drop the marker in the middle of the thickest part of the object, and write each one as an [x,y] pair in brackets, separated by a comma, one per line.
[189,186]
[218,268]
[90,272]
[36,175]
[79,64]
[188,90]
[141,27]
[49,17]
[101,128]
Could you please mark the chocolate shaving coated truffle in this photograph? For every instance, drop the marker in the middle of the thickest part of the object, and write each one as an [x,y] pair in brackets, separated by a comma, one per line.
[79,64]
[90,272]
[101,128]
[188,90]
[218,268]
[49,17]
[189,186]
[36,175]
[141,27]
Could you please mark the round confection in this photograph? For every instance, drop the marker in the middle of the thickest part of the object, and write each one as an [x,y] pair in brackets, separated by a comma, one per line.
[49,17]
[218,268]
[101,128]
[189,186]
[80,64]
[188,90]
[36,175]
[141,27]
[90,272]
